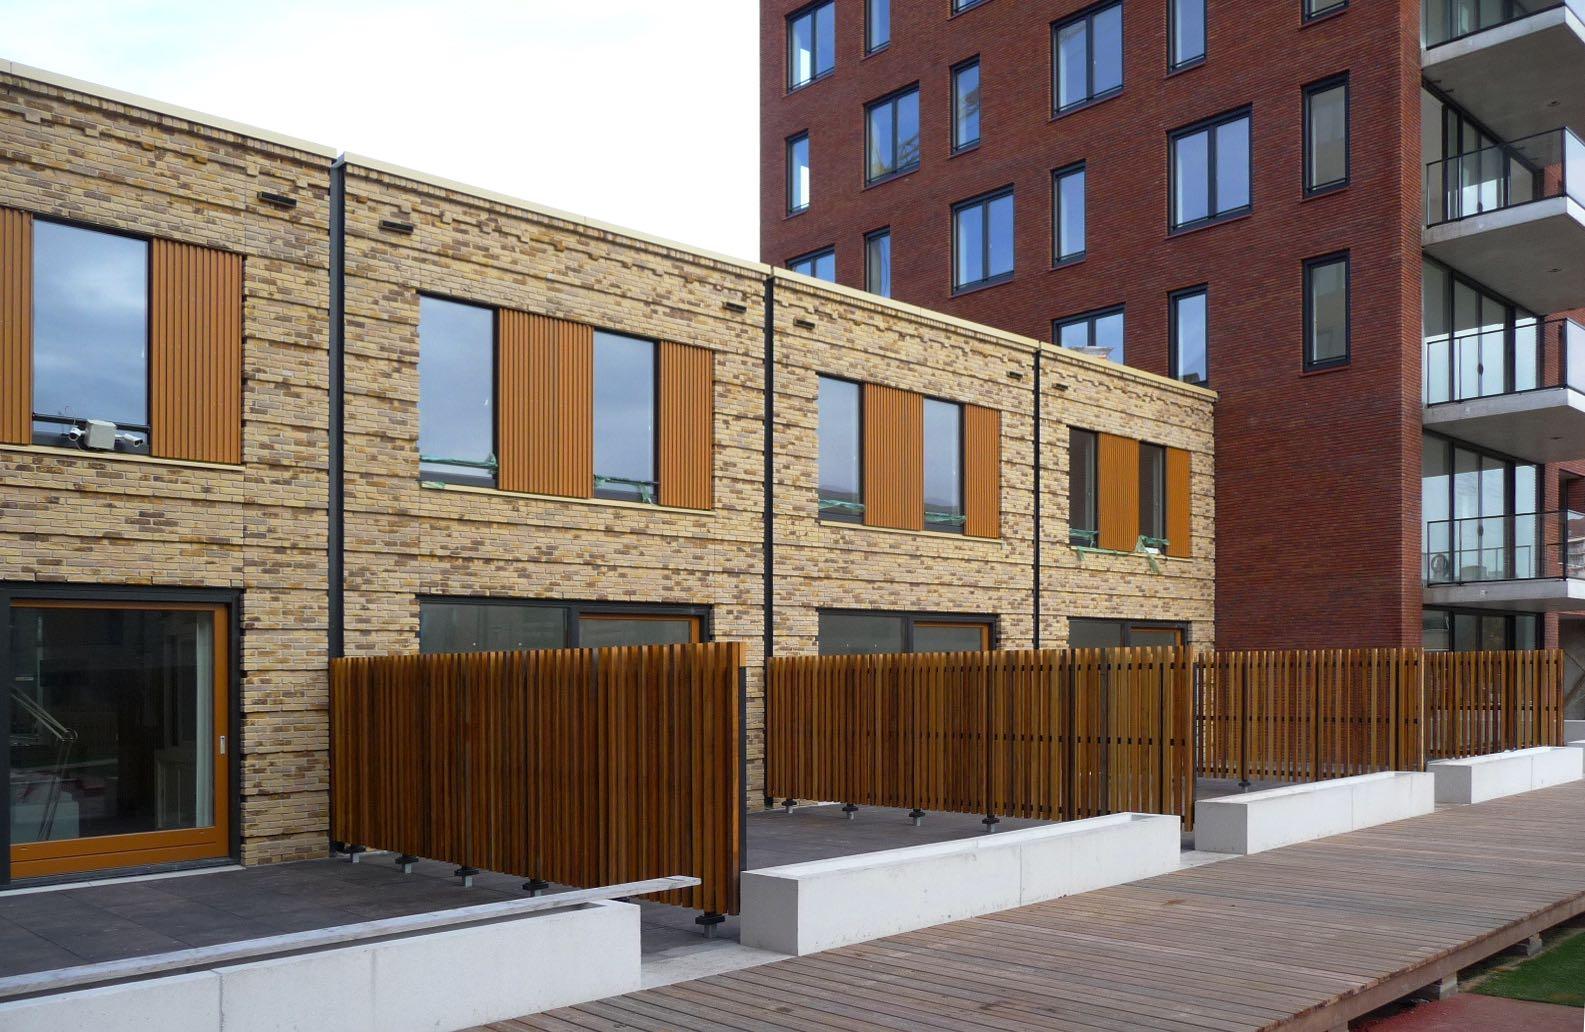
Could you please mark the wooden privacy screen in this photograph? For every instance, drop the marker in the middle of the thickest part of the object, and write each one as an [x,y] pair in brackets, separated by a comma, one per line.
[1180,527]
[1054,735]
[16,326]
[894,458]
[687,425]
[195,353]
[583,767]
[982,472]
[545,382]
[1485,702]
[1117,498]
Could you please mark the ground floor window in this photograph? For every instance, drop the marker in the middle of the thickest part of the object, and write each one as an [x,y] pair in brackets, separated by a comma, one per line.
[1460,630]
[1125,634]
[507,625]
[849,633]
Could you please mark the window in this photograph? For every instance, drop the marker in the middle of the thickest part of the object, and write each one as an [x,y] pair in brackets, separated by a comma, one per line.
[624,418]
[1189,332]
[1326,316]
[877,24]
[959,6]
[456,392]
[1317,8]
[798,174]
[869,634]
[1326,136]
[1097,330]
[943,466]
[1087,57]
[811,44]
[1476,344]
[820,264]
[892,135]
[966,105]
[1118,634]
[1068,207]
[878,262]
[90,333]
[1187,34]
[1083,516]
[1211,171]
[982,240]
[841,442]
[1153,495]
[502,625]
[1448,630]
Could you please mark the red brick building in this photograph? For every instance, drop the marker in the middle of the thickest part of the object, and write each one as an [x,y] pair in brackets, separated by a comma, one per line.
[1388,453]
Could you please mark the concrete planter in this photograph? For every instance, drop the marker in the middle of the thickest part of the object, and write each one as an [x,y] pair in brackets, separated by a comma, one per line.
[1574,731]
[1259,821]
[808,907]
[1479,778]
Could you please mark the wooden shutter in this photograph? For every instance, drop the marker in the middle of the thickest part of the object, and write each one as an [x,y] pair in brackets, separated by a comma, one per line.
[195,353]
[545,394]
[687,425]
[894,458]
[1179,533]
[16,326]
[982,472]
[1117,469]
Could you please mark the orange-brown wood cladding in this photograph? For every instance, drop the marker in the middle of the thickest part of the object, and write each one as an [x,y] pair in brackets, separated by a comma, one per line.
[584,767]
[982,472]
[546,388]
[16,326]
[1117,469]
[1180,532]
[894,458]
[687,425]
[195,353]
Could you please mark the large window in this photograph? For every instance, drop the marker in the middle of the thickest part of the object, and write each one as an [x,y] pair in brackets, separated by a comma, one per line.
[1189,333]
[868,634]
[966,105]
[500,625]
[456,392]
[1326,135]
[820,264]
[1087,57]
[1211,171]
[1479,512]
[943,466]
[1095,331]
[982,240]
[1068,231]
[1326,311]
[811,44]
[1083,512]
[877,24]
[1153,495]
[1317,8]
[1124,634]
[1449,630]
[1187,33]
[841,441]
[892,135]
[90,333]
[878,262]
[624,418]
[798,174]
[1476,344]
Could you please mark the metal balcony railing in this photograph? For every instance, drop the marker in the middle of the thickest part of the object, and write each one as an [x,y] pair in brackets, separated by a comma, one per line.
[1524,546]
[1528,355]
[1505,175]
[1449,20]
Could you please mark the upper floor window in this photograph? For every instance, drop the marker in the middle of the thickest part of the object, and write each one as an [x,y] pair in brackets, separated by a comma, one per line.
[982,240]
[1211,171]
[1187,33]
[841,462]
[798,173]
[1067,232]
[943,465]
[820,264]
[878,262]
[1326,135]
[892,135]
[966,105]
[456,392]
[1153,495]
[1189,332]
[1316,8]
[1087,56]
[1099,331]
[877,24]
[959,6]
[1083,521]
[811,44]
[1326,317]
[624,418]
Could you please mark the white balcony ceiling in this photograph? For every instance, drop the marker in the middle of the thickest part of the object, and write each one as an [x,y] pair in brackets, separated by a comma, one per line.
[1541,426]
[1530,596]
[1519,79]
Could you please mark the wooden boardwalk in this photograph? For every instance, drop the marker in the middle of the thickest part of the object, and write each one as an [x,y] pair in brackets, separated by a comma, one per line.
[1305,937]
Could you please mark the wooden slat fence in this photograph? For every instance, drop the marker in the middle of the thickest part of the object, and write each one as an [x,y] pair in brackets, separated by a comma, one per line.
[584,767]
[1485,702]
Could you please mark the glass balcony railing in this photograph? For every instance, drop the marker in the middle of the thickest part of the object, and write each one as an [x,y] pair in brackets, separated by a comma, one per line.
[1527,356]
[1550,164]
[1527,546]
[1449,20]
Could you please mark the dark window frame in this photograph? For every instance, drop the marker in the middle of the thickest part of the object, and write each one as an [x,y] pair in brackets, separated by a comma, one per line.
[1090,318]
[869,238]
[810,256]
[870,46]
[911,617]
[1311,91]
[1172,33]
[1511,510]
[1174,359]
[836,516]
[1156,454]
[576,608]
[960,146]
[1310,265]
[611,495]
[1208,126]
[1308,13]
[1091,98]
[891,99]
[787,51]
[958,527]
[493,480]
[1510,616]
[960,6]
[1057,176]
[792,141]
[1184,628]
[1088,535]
[984,201]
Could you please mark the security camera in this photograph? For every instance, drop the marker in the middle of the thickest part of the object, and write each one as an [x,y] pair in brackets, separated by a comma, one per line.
[129,440]
[75,435]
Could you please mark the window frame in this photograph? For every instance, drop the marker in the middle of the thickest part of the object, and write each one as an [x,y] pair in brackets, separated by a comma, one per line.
[494,478]
[984,200]
[1310,265]
[1087,15]
[870,45]
[960,6]
[961,146]
[793,141]
[812,256]
[1208,126]
[1311,91]
[576,609]
[856,518]
[1058,259]
[1308,14]
[1174,358]
[1091,532]
[808,10]
[870,239]
[1090,318]
[594,418]
[1174,65]
[1156,455]
[891,99]
[911,618]
[958,525]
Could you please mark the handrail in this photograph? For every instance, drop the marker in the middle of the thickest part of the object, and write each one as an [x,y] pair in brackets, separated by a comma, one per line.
[1505,547]
[1505,175]
[1439,25]
[1499,360]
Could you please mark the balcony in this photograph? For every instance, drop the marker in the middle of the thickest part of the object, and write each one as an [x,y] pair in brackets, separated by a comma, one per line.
[1517,65]
[1512,216]
[1531,561]
[1518,390]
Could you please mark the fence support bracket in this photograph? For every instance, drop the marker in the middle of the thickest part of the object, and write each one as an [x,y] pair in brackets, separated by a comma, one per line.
[850,809]
[709,920]
[352,852]
[406,862]
[788,804]
[535,886]
[990,821]
[917,815]
[466,874]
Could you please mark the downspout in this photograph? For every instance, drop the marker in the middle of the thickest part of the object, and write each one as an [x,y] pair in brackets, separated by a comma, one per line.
[1038,455]
[336,501]
[769,486]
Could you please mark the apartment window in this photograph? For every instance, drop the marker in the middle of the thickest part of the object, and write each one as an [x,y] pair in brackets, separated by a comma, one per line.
[892,135]
[1211,171]
[819,264]
[943,466]
[877,24]
[1317,8]
[1121,634]
[1087,57]
[982,240]
[870,634]
[1189,332]
[1153,495]
[958,6]
[456,392]
[624,418]
[1083,517]
[878,262]
[504,625]
[90,333]
[966,105]
[1186,33]
[1068,208]
[841,443]
[1096,331]
[811,44]
[1326,135]
[798,173]
[1326,315]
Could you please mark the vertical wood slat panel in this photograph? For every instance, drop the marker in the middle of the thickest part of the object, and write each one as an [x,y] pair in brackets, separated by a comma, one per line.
[894,460]
[982,472]
[195,353]
[687,426]
[16,326]
[1180,528]
[545,384]
[1117,469]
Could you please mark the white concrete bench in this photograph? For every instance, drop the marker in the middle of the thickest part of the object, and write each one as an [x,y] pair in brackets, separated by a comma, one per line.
[1257,821]
[1574,731]
[808,907]
[1476,779]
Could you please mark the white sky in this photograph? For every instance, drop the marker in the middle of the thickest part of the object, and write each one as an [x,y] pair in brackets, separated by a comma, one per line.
[637,112]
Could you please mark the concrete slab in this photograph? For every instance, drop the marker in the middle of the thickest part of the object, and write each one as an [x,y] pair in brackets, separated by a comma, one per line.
[1476,779]
[1258,821]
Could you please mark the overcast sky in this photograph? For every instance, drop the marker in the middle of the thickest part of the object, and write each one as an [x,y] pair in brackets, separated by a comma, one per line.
[635,112]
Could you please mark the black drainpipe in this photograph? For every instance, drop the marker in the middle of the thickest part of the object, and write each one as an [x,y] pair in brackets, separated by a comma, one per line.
[1038,457]
[769,486]
[335,514]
